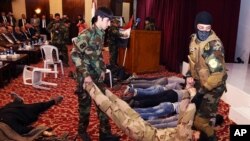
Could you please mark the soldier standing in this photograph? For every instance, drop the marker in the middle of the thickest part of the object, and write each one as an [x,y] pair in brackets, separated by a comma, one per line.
[60,35]
[207,68]
[113,35]
[90,67]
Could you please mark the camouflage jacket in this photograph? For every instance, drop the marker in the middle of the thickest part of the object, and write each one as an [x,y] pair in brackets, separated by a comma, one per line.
[60,33]
[113,34]
[87,52]
[206,60]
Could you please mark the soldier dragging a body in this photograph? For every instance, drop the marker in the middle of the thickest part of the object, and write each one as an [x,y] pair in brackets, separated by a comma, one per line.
[90,67]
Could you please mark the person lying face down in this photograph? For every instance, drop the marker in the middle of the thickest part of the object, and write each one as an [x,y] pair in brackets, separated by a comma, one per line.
[16,117]
[130,122]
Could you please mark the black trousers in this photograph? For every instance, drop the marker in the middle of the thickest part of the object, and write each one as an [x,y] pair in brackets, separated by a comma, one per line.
[20,116]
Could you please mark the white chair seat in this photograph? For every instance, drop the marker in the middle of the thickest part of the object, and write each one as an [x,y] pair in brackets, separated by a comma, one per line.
[33,76]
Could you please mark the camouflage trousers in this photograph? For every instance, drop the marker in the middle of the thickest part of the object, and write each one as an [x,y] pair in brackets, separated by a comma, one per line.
[207,110]
[63,52]
[113,51]
[130,122]
[84,103]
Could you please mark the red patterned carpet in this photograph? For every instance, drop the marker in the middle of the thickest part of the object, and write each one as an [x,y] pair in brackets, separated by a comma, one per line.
[64,117]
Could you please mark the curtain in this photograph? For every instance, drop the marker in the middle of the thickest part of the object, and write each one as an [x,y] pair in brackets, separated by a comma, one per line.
[175,20]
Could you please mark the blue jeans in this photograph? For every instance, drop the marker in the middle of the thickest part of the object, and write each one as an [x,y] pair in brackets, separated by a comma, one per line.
[163,109]
[149,91]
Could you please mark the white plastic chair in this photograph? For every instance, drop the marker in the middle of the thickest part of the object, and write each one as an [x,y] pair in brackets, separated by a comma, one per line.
[50,58]
[33,76]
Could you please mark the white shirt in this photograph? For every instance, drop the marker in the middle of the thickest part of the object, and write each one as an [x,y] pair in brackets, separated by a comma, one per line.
[24,22]
[44,23]
[4,19]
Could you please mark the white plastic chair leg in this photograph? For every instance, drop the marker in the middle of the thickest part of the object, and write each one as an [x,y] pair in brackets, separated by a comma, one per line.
[55,69]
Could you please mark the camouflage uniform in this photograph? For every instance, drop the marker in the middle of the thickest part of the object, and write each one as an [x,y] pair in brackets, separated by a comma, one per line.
[134,126]
[60,35]
[88,59]
[207,67]
[113,34]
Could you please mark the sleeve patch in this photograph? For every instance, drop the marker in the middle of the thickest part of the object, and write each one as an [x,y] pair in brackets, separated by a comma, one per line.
[213,63]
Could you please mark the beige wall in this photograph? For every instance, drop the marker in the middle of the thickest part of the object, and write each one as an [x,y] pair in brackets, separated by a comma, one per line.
[55,6]
[88,6]
[125,11]
[19,8]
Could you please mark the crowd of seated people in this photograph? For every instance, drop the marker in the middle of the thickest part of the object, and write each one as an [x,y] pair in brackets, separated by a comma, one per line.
[12,35]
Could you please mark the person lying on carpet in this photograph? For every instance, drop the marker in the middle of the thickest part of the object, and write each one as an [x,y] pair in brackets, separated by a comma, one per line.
[152,89]
[142,98]
[17,116]
[165,109]
[140,82]
[130,122]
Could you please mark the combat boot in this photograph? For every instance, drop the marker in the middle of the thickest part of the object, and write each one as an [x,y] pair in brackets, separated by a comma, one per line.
[85,136]
[212,138]
[108,137]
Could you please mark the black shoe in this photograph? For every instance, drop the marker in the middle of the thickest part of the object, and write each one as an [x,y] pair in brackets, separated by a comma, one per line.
[212,138]
[84,136]
[58,99]
[109,137]
[16,97]
[127,98]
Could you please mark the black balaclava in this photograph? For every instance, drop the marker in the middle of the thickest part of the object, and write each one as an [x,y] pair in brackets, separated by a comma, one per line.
[203,18]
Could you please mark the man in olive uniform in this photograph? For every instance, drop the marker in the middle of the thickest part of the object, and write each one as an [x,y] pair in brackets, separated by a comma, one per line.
[113,35]
[207,68]
[60,35]
[90,67]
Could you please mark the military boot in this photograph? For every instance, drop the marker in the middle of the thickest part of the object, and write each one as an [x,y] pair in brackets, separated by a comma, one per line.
[85,136]
[108,137]
[212,138]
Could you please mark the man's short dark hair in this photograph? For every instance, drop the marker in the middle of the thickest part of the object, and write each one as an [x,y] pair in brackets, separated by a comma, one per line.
[104,12]
[57,14]
[93,20]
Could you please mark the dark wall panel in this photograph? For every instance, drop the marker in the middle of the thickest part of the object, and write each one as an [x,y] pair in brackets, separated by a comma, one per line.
[5,6]
[73,8]
[105,3]
[31,5]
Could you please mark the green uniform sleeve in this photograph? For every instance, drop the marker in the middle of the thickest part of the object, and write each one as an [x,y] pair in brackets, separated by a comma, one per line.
[77,55]
[214,57]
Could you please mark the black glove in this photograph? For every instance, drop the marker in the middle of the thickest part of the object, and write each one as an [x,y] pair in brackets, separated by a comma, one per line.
[197,99]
